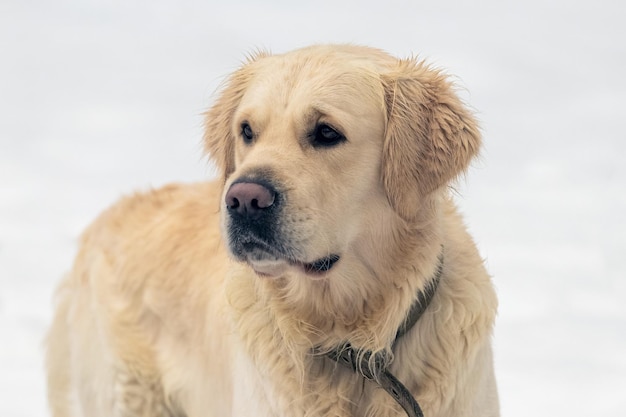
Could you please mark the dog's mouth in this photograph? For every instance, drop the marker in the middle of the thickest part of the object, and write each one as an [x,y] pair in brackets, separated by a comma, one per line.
[322,265]
[267,261]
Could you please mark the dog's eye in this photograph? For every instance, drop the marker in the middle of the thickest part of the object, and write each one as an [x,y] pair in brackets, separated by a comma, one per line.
[246,133]
[325,135]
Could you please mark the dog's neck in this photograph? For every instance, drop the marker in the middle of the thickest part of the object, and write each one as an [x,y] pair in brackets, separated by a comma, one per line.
[418,308]
[374,366]
[421,303]
[366,303]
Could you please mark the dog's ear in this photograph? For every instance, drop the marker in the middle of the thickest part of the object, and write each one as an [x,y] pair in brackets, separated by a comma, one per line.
[430,137]
[219,141]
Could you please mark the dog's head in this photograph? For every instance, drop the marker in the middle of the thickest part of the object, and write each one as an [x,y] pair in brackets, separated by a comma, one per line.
[324,149]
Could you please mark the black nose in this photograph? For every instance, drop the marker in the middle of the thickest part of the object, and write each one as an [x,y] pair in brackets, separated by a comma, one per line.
[249,199]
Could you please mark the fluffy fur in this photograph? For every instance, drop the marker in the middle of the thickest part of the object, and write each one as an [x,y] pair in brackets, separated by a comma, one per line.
[156,319]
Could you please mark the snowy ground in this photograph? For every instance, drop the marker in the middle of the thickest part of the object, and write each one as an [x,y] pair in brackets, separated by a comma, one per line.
[100,98]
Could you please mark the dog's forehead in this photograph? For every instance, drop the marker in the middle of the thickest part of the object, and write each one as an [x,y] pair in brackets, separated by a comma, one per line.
[314,81]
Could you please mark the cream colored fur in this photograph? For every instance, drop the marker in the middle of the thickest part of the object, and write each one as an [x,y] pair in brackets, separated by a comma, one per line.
[156,319]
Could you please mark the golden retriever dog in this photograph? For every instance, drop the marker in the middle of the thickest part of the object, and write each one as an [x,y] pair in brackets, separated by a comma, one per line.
[325,273]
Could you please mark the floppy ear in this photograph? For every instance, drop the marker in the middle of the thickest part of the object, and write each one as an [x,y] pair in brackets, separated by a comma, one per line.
[219,141]
[430,136]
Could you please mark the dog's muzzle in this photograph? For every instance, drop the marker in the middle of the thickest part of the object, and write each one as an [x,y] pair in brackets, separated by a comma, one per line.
[253,209]
[254,231]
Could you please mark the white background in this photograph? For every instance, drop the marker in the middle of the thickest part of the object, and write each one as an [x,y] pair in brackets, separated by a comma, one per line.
[100,98]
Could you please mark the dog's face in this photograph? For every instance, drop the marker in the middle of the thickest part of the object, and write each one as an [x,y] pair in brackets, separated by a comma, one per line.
[324,148]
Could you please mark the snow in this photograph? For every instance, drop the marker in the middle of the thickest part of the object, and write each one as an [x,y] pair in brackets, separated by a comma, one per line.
[100,98]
